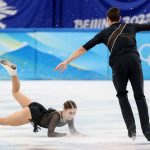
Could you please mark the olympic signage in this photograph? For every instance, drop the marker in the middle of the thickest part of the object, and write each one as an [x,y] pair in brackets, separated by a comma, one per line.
[26,14]
[5,12]
[69,13]
[92,13]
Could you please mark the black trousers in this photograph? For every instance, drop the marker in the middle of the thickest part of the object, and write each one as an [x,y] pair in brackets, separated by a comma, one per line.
[127,67]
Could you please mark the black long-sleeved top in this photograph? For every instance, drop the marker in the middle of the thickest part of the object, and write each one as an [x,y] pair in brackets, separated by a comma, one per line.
[53,120]
[125,43]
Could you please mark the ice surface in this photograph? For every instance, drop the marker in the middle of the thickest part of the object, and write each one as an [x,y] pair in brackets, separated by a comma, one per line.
[98,116]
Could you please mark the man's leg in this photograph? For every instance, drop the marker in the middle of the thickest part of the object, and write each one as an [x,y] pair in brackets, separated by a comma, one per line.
[120,80]
[136,79]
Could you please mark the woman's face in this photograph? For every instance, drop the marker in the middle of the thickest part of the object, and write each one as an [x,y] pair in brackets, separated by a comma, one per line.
[69,114]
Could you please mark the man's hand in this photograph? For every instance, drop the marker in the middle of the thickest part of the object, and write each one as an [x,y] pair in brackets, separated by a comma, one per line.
[62,66]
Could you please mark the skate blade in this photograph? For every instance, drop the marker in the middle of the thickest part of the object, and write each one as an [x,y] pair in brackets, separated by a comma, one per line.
[3,62]
[133,137]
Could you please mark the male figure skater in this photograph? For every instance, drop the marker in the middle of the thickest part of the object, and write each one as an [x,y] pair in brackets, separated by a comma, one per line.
[126,66]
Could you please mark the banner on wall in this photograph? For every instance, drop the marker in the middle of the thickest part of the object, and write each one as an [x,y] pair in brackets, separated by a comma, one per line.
[92,13]
[38,52]
[26,14]
[69,13]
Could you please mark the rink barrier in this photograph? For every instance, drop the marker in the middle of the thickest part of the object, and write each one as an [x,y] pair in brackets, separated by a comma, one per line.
[38,51]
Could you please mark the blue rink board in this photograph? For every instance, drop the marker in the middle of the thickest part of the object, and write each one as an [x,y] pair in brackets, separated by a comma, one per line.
[38,51]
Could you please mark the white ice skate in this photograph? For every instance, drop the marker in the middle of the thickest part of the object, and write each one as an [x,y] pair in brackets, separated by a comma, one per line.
[11,68]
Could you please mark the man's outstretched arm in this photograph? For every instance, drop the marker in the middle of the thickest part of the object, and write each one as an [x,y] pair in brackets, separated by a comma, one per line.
[141,27]
[63,65]
[87,46]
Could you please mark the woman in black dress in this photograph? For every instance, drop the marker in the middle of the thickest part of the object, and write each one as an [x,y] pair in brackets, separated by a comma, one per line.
[35,112]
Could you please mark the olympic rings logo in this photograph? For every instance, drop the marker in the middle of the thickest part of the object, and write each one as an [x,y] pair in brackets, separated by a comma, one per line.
[147,59]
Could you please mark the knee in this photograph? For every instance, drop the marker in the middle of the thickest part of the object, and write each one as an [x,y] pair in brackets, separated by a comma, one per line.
[14,93]
[122,93]
[15,90]
[139,93]
[139,96]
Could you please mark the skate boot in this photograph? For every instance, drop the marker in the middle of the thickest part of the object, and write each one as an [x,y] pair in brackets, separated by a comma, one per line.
[11,68]
[132,133]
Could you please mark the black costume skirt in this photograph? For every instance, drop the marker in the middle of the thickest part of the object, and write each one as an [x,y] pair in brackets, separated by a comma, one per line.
[37,111]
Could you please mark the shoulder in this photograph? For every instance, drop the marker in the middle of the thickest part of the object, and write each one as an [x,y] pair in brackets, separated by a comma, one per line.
[56,115]
[107,31]
[100,33]
[103,31]
[132,24]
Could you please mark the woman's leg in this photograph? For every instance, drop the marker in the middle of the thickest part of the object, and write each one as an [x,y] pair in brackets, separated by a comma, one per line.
[18,118]
[12,70]
[21,98]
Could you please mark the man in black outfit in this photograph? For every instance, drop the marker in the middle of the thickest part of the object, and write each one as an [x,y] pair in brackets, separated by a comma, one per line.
[126,66]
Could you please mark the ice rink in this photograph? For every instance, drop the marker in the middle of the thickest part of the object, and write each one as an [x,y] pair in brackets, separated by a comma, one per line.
[98,116]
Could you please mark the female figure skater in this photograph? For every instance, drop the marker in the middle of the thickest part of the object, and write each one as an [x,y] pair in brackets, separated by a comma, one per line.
[35,112]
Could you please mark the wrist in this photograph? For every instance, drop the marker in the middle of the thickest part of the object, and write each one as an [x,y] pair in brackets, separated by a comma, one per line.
[66,62]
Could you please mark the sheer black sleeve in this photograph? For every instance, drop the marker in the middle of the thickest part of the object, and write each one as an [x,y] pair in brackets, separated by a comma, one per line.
[72,127]
[96,40]
[52,125]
